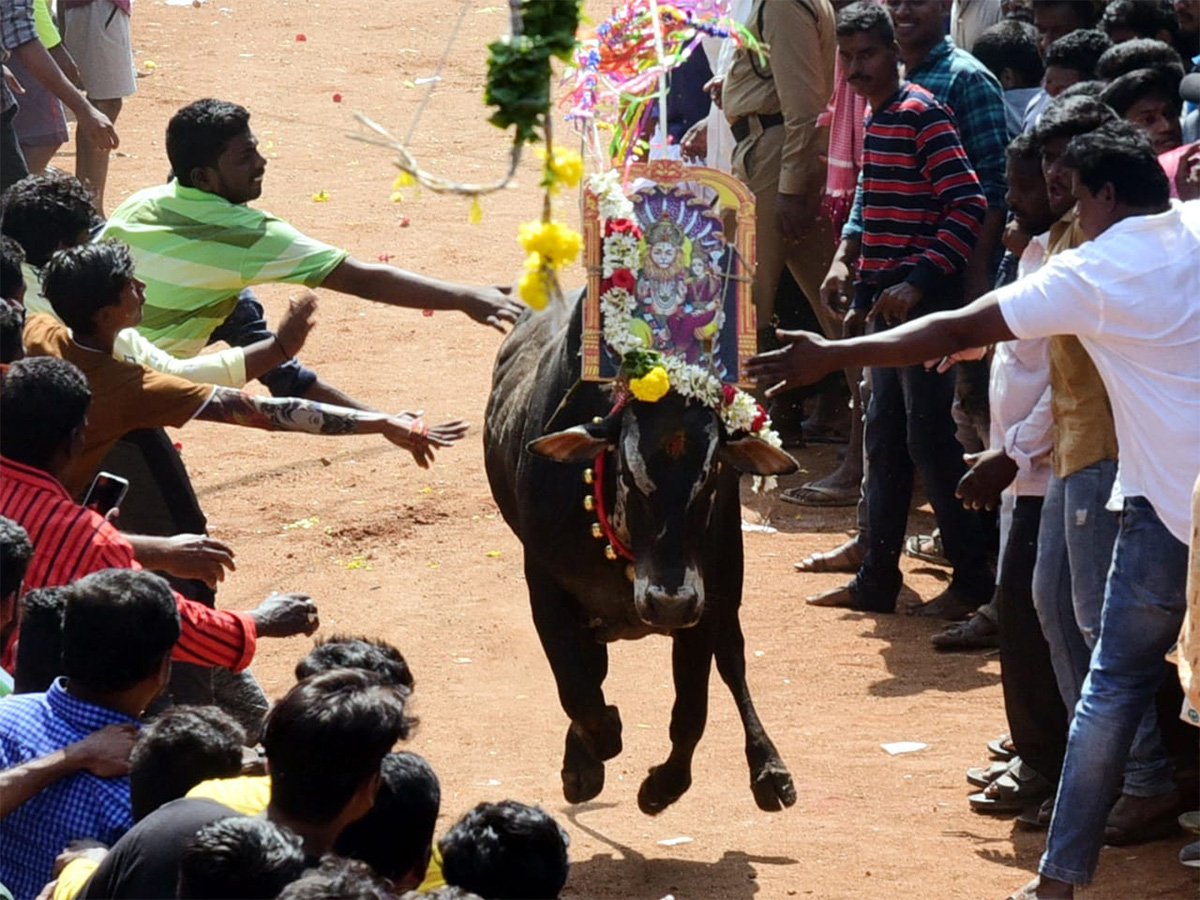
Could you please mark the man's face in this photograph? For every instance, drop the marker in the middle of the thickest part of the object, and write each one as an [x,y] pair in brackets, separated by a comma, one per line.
[919,23]
[1027,196]
[1052,21]
[1057,79]
[238,174]
[133,299]
[1096,211]
[1058,182]
[1189,16]
[1159,118]
[869,64]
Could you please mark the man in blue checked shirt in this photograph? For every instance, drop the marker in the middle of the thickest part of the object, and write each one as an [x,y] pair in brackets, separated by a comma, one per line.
[118,631]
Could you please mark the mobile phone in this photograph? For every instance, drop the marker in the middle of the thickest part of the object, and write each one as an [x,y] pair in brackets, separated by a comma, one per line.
[107,491]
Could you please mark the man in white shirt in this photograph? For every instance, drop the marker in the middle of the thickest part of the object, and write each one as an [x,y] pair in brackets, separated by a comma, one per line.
[1132,296]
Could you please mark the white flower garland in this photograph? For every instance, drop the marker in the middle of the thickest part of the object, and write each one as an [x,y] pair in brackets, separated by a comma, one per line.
[617,308]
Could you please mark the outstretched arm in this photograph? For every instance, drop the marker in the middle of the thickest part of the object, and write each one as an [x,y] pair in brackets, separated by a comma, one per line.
[806,358]
[104,753]
[293,414]
[396,287]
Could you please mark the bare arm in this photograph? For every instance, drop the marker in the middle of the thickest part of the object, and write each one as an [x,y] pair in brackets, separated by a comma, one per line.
[807,358]
[93,123]
[293,414]
[975,276]
[104,753]
[396,287]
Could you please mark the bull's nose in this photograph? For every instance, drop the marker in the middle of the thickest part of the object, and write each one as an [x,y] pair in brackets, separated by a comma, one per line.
[671,609]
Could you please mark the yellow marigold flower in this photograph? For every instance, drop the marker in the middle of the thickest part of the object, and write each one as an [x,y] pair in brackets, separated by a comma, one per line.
[532,288]
[652,386]
[321,197]
[556,243]
[403,180]
[563,169]
[397,196]
[475,216]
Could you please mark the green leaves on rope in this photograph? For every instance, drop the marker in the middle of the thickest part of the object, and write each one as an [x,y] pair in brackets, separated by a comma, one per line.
[638,363]
[518,82]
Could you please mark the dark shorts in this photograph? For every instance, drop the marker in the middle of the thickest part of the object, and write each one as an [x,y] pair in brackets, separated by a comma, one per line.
[246,325]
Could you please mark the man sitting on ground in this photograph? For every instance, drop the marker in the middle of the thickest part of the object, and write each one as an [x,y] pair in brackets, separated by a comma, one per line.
[118,632]
[200,223]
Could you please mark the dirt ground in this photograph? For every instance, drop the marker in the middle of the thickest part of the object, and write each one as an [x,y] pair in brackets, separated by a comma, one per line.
[422,559]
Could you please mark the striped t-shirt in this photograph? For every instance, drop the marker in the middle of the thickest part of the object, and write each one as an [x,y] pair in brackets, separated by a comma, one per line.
[196,251]
[922,203]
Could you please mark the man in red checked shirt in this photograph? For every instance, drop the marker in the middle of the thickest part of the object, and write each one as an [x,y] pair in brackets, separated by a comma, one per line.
[43,405]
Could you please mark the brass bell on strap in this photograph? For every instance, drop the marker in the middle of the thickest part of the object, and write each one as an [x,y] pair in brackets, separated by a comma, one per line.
[589,502]
[609,552]
[589,476]
[597,531]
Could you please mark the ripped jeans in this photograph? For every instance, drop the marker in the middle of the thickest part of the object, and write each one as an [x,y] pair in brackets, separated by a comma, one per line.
[1074,555]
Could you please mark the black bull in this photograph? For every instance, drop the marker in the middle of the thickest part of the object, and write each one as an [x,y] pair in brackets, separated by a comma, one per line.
[671,486]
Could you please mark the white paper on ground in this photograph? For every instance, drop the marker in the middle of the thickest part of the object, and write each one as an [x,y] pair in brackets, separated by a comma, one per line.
[897,747]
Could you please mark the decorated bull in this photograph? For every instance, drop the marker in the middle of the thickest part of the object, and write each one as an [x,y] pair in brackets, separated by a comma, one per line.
[629,513]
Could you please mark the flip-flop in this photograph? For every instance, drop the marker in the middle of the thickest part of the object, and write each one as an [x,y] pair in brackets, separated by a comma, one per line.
[913,547]
[1016,790]
[1002,747]
[840,559]
[813,494]
[982,776]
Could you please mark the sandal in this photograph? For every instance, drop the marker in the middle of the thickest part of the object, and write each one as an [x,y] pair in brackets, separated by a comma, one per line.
[1016,790]
[927,548]
[977,633]
[844,558]
[982,776]
[1002,747]
[1036,819]
[814,494]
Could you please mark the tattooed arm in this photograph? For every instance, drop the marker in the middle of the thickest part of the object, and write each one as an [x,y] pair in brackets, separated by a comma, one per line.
[293,414]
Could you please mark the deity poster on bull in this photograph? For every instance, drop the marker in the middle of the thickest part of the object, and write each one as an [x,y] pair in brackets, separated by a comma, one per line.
[670,256]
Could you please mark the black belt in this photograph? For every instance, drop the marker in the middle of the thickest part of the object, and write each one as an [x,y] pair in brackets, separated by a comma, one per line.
[741,128]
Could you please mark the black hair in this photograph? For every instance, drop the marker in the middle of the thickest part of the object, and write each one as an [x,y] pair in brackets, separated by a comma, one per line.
[505,851]
[12,330]
[15,553]
[42,401]
[182,747]
[12,279]
[395,837]
[873,18]
[198,133]
[1065,118]
[82,280]
[44,213]
[1145,18]
[237,858]
[337,879]
[327,736]
[1091,89]
[1087,11]
[1010,44]
[1128,89]
[1024,148]
[39,651]
[346,652]
[1079,50]
[119,626]
[1120,154]
[1140,53]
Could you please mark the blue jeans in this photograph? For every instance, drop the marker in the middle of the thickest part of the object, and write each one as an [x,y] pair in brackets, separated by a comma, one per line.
[1075,551]
[247,325]
[1143,610]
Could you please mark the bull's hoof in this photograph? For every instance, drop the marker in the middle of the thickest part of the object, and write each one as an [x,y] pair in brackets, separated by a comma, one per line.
[582,773]
[601,735]
[662,787]
[772,787]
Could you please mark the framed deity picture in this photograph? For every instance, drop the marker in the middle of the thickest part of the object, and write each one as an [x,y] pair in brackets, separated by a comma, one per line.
[670,258]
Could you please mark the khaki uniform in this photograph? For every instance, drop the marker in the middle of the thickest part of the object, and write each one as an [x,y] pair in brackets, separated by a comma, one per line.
[796,82]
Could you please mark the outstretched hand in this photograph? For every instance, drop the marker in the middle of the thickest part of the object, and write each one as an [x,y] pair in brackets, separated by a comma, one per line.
[297,322]
[284,615]
[196,556]
[797,363]
[409,430]
[492,306]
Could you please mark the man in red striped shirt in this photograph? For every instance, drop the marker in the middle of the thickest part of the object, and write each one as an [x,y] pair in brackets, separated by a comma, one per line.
[922,212]
[43,406]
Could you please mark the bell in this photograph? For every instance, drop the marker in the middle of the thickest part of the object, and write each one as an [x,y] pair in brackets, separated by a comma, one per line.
[589,502]
[609,552]
[589,476]
[597,420]
[597,531]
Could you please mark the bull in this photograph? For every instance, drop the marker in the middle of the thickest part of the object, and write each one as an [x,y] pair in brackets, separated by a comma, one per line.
[671,493]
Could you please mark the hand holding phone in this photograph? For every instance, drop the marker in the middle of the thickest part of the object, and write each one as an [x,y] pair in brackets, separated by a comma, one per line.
[106,493]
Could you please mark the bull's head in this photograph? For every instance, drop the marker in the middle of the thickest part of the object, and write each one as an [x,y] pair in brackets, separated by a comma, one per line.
[665,462]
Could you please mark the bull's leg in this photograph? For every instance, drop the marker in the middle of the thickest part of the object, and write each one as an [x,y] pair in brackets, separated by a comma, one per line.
[769,778]
[691,661]
[580,664]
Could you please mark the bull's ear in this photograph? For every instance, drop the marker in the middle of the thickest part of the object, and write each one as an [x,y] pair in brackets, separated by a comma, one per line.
[579,444]
[756,457]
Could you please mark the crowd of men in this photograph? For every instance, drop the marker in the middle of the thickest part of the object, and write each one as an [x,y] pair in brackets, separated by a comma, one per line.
[990,208]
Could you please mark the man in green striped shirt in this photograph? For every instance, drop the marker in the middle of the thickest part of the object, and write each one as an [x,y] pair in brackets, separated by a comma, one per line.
[198,247]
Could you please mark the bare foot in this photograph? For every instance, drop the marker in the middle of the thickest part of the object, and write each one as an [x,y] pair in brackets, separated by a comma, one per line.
[841,597]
